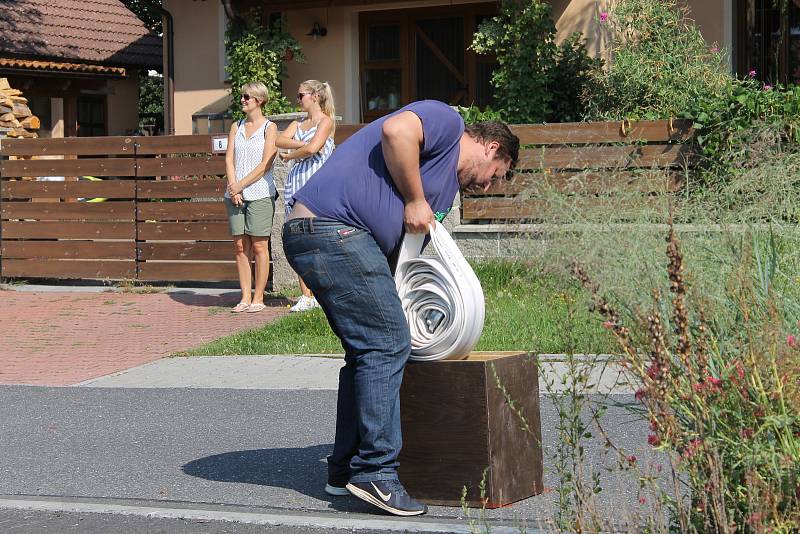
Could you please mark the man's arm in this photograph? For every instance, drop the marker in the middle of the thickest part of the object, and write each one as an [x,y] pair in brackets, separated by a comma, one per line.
[401,139]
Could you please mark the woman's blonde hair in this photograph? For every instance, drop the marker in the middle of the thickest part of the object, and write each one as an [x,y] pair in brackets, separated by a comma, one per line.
[256,90]
[324,95]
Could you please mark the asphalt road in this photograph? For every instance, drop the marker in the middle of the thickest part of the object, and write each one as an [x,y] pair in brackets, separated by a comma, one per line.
[261,451]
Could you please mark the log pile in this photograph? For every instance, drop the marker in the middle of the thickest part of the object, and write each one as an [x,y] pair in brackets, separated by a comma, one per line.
[16,118]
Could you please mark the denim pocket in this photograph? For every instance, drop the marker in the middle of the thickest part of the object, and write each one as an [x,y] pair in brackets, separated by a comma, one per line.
[311,268]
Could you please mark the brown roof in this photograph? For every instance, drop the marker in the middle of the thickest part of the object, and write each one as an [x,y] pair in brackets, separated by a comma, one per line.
[96,31]
[60,66]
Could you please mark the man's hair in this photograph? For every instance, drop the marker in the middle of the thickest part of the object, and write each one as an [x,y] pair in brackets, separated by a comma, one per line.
[485,132]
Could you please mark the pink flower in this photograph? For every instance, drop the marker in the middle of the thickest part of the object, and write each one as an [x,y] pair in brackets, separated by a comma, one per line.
[752,73]
[767,87]
[631,459]
[653,440]
[714,49]
[654,371]
[640,394]
[608,325]
[791,341]
[715,381]
[739,369]
[603,16]
[642,500]
[746,433]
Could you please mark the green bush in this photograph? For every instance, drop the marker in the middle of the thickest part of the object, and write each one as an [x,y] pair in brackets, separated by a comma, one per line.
[256,53]
[535,80]
[473,114]
[151,101]
[726,123]
[659,63]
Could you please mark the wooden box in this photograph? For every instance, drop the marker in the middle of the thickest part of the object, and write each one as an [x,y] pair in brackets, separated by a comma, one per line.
[458,424]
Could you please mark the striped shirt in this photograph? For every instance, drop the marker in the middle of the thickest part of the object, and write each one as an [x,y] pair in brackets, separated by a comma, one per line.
[247,154]
[303,169]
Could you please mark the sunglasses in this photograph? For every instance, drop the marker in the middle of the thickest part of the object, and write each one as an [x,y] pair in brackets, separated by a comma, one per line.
[246,97]
[301,95]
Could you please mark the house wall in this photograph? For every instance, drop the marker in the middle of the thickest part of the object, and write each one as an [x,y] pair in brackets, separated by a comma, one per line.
[123,105]
[328,59]
[199,55]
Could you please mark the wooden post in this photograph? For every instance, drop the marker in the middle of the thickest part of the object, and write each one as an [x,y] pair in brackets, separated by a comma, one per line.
[459,429]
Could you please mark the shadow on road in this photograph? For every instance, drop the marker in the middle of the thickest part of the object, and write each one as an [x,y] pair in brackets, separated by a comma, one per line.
[301,469]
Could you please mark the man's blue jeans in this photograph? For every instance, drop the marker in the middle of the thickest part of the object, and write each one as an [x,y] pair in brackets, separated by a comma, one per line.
[352,281]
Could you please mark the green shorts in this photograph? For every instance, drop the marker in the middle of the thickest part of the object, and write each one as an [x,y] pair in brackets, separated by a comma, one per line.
[254,217]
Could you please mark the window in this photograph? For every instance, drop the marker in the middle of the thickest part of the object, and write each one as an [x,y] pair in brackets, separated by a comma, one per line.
[768,40]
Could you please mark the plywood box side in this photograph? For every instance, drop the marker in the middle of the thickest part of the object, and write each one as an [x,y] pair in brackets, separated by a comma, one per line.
[515,432]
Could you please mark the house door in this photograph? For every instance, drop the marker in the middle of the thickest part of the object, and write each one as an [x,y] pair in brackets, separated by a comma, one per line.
[439,60]
[417,54]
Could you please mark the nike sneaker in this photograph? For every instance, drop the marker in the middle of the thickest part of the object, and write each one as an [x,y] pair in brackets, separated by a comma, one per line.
[388,495]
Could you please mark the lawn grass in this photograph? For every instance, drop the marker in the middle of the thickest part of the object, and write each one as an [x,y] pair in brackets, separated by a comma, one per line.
[526,309]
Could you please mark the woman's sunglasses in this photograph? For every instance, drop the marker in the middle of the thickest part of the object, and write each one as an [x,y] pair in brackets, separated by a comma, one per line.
[301,95]
[246,97]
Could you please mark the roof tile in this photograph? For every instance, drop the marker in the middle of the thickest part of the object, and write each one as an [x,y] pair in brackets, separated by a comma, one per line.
[97,31]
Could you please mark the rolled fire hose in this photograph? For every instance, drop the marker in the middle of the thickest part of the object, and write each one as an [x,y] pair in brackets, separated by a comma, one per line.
[441,298]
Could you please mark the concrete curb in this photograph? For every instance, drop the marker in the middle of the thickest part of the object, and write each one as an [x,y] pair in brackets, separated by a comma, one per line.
[311,521]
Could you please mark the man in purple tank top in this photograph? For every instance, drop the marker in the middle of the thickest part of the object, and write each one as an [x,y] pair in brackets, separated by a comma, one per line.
[398,174]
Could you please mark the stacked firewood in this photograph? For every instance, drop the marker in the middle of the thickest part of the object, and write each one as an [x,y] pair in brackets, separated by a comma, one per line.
[16,118]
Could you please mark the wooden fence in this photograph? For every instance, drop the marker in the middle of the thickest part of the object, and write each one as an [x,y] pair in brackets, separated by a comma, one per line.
[589,161]
[157,215]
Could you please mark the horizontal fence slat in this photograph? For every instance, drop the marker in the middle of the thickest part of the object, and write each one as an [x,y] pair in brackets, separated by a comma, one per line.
[608,208]
[184,231]
[69,167]
[533,183]
[182,211]
[204,251]
[69,211]
[168,271]
[181,166]
[173,144]
[69,250]
[62,146]
[14,189]
[344,131]
[604,132]
[180,188]
[607,157]
[68,230]
[41,268]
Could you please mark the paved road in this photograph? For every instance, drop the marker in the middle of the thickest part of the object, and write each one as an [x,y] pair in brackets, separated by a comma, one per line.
[259,450]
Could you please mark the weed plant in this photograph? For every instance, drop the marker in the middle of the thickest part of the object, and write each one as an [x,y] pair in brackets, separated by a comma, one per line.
[726,408]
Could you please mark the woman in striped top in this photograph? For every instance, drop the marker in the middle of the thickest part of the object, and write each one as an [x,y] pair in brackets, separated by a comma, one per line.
[250,195]
[312,141]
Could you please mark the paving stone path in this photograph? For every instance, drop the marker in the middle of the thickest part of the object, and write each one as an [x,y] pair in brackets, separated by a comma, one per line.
[63,338]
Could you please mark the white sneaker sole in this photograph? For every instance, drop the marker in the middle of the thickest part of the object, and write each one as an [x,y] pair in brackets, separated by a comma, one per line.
[336,491]
[368,497]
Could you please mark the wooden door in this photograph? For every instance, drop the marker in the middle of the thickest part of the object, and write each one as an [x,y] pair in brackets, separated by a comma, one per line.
[439,60]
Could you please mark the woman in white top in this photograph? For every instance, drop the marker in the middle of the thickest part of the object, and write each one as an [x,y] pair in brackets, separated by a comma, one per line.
[312,140]
[250,195]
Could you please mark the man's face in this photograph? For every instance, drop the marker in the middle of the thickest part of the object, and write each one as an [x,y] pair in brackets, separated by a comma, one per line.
[483,168]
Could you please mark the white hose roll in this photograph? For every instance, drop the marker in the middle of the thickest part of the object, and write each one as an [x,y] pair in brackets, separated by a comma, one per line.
[441,298]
